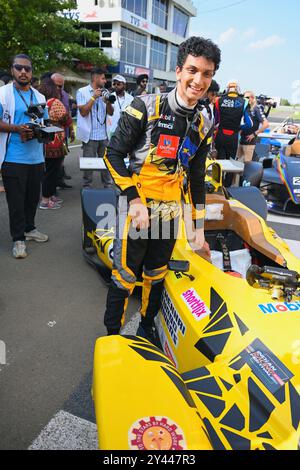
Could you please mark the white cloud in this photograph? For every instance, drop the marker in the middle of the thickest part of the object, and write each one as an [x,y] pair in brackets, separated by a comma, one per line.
[270,41]
[248,33]
[227,36]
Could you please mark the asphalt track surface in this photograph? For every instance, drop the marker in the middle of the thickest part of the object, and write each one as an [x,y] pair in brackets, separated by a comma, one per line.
[51,312]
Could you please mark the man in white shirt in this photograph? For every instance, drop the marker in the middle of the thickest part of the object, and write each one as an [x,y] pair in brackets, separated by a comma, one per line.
[93,109]
[123,99]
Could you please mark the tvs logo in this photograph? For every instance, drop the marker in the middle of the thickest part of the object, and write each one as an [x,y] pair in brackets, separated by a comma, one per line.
[156,433]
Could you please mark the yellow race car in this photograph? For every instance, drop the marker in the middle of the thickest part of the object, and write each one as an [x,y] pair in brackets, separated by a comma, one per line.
[228,374]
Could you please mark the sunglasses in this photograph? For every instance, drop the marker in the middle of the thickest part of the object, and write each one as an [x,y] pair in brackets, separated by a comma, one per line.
[20,67]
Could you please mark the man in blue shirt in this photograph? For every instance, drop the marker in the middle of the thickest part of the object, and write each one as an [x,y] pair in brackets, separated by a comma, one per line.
[22,155]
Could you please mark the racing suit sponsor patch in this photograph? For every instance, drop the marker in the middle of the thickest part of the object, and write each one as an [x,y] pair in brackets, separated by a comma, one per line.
[167,146]
[195,304]
[134,112]
[187,150]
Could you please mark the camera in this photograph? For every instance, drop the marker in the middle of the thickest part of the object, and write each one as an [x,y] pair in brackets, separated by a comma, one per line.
[108,96]
[266,101]
[266,104]
[42,130]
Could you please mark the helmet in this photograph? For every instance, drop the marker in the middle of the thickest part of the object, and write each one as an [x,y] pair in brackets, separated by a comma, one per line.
[233,87]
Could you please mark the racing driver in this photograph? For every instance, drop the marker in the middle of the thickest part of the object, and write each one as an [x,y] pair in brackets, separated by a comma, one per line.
[167,138]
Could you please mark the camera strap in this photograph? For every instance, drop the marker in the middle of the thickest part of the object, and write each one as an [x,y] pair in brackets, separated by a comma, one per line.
[97,111]
[23,98]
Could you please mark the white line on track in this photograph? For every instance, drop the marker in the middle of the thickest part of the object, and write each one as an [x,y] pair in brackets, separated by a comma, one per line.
[294,246]
[67,432]
[281,219]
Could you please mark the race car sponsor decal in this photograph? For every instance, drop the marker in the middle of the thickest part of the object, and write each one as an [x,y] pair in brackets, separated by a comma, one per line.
[167,146]
[156,433]
[296,180]
[195,304]
[172,318]
[168,351]
[164,340]
[266,366]
[280,307]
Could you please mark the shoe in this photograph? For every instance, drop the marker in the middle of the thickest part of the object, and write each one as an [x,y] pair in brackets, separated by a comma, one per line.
[36,236]
[149,333]
[19,249]
[49,205]
[64,186]
[56,199]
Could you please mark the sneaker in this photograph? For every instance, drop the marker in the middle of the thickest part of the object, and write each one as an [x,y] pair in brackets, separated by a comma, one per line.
[49,205]
[149,333]
[36,236]
[19,249]
[56,199]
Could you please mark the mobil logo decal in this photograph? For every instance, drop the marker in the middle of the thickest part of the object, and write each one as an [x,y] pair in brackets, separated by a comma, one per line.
[280,307]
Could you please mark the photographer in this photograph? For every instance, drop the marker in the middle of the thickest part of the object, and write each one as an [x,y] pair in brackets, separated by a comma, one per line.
[21,154]
[93,106]
[123,99]
[265,104]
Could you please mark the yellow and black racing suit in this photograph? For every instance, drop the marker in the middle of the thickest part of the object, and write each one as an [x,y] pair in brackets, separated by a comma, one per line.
[167,145]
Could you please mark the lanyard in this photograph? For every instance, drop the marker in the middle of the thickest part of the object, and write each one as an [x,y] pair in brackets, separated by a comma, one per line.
[119,102]
[23,98]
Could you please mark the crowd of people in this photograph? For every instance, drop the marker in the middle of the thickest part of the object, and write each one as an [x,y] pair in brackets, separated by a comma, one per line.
[167,137]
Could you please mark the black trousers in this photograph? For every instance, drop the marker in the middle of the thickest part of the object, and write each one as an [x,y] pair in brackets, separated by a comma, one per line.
[51,176]
[226,146]
[148,255]
[22,185]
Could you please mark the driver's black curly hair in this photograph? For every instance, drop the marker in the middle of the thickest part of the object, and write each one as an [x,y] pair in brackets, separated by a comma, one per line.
[197,46]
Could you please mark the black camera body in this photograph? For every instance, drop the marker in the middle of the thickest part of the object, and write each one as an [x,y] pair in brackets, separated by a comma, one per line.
[42,131]
[109,96]
[266,104]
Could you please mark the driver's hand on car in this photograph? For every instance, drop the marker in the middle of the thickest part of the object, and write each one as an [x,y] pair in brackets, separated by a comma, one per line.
[139,214]
[199,244]
[25,132]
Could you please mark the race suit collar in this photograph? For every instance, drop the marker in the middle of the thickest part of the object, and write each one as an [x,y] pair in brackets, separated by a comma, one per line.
[177,105]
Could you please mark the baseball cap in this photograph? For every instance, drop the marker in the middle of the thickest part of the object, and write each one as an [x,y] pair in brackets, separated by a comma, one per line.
[119,78]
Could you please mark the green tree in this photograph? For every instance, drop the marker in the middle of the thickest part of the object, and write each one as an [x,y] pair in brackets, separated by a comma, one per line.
[39,28]
[284,102]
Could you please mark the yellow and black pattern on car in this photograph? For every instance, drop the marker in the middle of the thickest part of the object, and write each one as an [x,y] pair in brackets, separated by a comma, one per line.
[221,323]
[132,370]
[152,353]
[240,410]
[103,241]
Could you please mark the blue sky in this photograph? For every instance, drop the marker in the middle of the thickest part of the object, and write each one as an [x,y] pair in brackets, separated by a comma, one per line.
[258,40]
